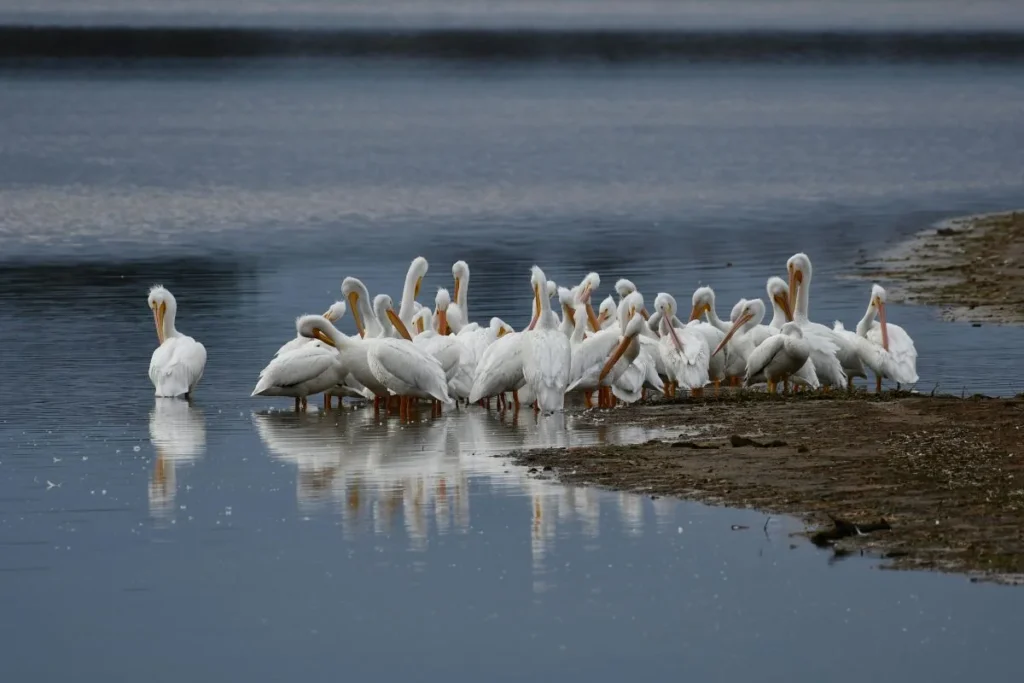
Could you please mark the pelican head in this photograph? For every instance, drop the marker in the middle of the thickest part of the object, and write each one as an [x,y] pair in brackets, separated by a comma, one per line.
[422,320]
[778,294]
[353,289]
[336,312]
[316,327]
[442,301]
[587,287]
[384,308]
[750,312]
[878,298]
[792,329]
[163,305]
[460,271]
[624,288]
[799,268]
[703,302]
[417,271]
[631,304]
[606,311]
[500,328]
[665,304]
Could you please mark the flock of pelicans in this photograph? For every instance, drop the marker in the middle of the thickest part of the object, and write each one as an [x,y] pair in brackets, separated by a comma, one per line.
[618,352]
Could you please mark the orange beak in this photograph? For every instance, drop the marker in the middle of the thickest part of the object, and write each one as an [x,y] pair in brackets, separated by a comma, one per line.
[698,311]
[353,303]
[740,322]
[159,324]
[796,279]
[456,290]
[536,308]
[399,325]
[614,358]
[885,329]
[319,334]
[645,314]
[442,322]
[783,303]
[570,315]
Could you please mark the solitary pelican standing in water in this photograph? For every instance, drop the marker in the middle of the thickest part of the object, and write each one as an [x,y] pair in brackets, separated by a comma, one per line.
[178,363]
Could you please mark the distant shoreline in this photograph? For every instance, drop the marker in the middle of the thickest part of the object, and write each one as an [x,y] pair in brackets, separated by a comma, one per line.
[971,266]
[69,43]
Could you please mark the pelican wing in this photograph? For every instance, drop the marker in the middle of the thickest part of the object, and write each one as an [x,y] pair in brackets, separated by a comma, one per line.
[546,366]
[296,367]
[177,366]
[500,368]
[763,355]
[902,354]
[411,366]
[689,365]
[589,357]
[824,352]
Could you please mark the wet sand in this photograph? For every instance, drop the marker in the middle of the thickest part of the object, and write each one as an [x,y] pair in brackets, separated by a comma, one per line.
[946,474]
[972,267]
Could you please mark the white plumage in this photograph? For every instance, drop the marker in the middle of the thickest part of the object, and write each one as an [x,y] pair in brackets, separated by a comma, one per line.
[778,357]
[546,353]
[177,365]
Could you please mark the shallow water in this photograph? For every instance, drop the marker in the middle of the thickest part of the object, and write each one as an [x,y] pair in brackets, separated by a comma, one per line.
[230,540]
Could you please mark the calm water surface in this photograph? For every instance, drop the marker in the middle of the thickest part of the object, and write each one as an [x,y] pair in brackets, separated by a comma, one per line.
[229,540]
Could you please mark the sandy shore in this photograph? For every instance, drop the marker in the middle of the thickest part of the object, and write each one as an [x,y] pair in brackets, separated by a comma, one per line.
[946,474]
[971,267]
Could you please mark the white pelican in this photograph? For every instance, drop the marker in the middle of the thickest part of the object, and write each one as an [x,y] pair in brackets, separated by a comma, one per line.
[360,303]
[684,351]
[500,368]
[743,336]
[546,352]
[704,304]
[309,369]
[335,313]
[799,267]
[885,348]
[606,313]
[747,334]
[177,364]
[713,330]
[447,349]
[778,294]
[588,369]
[403,368]
[413,281]
[778,357]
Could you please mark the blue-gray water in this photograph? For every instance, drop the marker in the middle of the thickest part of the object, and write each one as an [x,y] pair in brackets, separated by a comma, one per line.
[145,539]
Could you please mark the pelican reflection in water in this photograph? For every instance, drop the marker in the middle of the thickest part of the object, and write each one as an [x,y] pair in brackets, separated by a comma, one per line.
[177,431]
[387,476]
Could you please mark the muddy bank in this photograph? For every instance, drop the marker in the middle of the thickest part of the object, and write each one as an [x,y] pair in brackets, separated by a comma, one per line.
[971,267]
[947,474]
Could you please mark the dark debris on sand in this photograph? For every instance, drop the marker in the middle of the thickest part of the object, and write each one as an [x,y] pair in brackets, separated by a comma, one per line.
[944,475]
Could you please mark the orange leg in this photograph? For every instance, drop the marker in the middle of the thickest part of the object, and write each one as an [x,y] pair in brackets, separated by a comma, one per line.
[515,399]
[718,383]
[297,404]
[327,402]
[878,384]
[588,399]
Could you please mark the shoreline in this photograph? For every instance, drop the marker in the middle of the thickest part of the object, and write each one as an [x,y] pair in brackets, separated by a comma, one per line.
[923,482]
[970,267]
